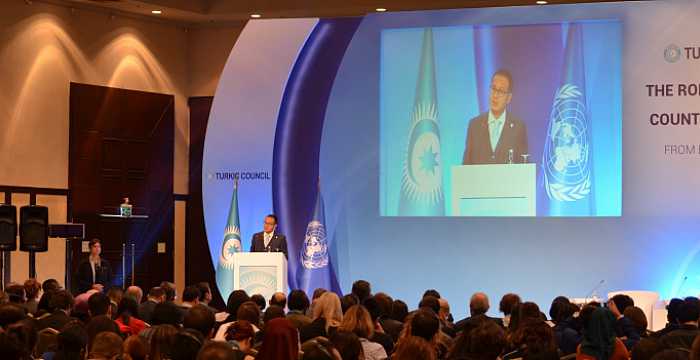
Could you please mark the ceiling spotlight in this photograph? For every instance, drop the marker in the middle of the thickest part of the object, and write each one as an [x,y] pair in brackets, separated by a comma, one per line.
[255,16]
[380,9]
[541,2]
[156,12]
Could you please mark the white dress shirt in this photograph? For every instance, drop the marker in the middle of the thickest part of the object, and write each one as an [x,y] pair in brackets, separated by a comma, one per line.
[495,128]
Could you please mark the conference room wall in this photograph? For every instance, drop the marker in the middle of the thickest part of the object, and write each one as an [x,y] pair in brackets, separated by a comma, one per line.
[44,47]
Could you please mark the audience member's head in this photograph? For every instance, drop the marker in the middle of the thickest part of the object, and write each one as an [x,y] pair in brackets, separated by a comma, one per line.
[169,289]
[361,289]
[508,301]
[187,344]
[166,313]
[384,302]
[536,338]
[71,342]
[272,312]
[348,345]
[372,307]
[530,311]
[444,309]
[298,301]
[347,301]
[241,332]
[598,331]
[127,308]
[478,304]
[486,341]
[672,310]
[414,347]
[204,292]
[399,310]
[200,318]
[216,351]
[135,293]
[358,320]
[191,295]
[115,294]
[622,301]
[15,293]
[432,292]
[98,304]
[278,299]
[249,311]
[259,300]
[638,318]
[106,345]
[10,313]
[281,341]
[156,294]
[430,302]
[31,289]
[425,324]
[317,294]
[320,348]
[161,342]
[688,313]
[61,300]
[99,324]
[134,348]
[50,285]
[13,348]
[24,333]
[235,299]
[328,307]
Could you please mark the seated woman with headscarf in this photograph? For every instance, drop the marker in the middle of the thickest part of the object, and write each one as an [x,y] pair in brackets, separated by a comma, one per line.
[599,341]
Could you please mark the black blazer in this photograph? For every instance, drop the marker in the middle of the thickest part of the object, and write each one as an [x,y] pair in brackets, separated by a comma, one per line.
[84,275]
[278,243]
[478,147]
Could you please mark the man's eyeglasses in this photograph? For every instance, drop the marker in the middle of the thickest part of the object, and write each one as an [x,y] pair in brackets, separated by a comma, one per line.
[498,92]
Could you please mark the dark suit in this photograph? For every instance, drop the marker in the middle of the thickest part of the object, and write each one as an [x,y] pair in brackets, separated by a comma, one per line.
[474,321]
[103,275]
[478,147]
[146,310]
[56,321]
[278,243]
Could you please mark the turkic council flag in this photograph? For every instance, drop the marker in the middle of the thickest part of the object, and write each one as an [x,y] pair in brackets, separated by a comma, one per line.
[230,246]
[421,184]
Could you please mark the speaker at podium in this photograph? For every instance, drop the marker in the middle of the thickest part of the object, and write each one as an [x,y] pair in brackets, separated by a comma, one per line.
[494,190]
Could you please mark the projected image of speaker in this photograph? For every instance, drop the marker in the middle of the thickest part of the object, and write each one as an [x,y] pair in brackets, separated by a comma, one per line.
[34,228]
[8,227]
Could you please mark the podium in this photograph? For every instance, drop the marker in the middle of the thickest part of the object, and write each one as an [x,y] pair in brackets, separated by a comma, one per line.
[261,273]
[494,190]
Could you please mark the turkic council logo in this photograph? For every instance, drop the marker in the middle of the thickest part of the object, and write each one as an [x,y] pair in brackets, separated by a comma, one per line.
[672,53]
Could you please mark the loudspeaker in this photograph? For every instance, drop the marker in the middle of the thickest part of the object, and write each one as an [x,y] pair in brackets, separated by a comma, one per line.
[8,227]
[34,228]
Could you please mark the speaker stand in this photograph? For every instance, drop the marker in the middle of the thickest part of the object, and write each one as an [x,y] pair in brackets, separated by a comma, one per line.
[32,265]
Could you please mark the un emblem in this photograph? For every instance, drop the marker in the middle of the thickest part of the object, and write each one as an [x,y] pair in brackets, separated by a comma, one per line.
[672,53]
[567,173]
[314,253]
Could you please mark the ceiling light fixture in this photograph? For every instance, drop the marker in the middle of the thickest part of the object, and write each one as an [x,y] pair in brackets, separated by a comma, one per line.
[380,9]
[541,2]
[255,16]
[156,12]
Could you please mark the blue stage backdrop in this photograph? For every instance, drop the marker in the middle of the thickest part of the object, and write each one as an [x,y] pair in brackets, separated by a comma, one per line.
[333,100]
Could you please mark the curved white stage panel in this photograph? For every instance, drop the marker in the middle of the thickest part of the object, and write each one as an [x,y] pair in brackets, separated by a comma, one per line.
[241,129]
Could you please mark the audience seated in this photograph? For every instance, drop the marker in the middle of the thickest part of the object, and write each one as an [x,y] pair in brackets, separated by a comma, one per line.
[684,335]
[259,300]
[358,321]
[59,326]
[599,340]
[298,304]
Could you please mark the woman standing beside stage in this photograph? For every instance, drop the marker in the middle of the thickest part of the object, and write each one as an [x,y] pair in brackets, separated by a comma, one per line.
[94,272]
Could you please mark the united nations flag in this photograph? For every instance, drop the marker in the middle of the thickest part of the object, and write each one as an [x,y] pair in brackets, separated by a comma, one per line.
[316,270]
[421,183]
[567,163]
[230,246]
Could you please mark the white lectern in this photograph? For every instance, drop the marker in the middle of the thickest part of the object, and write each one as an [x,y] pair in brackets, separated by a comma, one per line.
[261,273]
[494,190]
